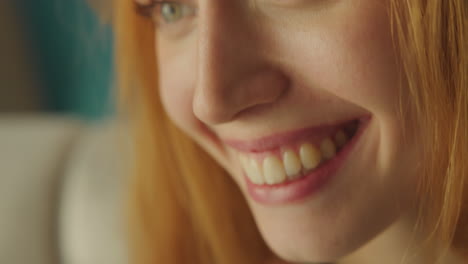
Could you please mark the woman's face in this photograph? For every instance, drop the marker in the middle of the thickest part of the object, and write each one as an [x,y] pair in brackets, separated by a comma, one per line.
[299,101]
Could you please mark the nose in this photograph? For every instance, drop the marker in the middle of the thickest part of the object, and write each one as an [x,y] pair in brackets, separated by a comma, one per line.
[233,75]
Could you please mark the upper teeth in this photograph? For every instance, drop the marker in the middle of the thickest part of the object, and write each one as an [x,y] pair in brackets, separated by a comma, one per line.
[310,156]
[252,169]
[291,165]
[341,138]
[328,149]
[273,167]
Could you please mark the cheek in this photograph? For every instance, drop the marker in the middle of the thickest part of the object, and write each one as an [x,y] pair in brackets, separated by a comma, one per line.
[363,63]
[352,57]
[367,61]
[369,66]
[176,82]
[348,53]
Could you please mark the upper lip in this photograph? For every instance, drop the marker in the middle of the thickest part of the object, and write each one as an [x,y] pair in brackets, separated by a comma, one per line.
[276,140]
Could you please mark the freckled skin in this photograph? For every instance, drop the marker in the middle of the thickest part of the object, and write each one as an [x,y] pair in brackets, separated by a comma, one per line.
[245,72]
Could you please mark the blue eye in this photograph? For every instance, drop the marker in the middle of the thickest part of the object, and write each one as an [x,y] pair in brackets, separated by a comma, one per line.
[172,12]
[167,12]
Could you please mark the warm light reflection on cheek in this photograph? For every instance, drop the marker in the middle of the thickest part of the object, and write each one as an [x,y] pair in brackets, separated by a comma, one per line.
[176,99]
[176,87]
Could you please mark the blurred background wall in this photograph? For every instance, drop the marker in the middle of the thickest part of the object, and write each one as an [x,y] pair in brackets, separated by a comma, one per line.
[55,56]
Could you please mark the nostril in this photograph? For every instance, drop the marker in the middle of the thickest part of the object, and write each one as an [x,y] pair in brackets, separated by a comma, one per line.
[218,102]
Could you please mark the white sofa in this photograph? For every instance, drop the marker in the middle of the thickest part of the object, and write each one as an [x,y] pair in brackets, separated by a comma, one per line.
[62,191]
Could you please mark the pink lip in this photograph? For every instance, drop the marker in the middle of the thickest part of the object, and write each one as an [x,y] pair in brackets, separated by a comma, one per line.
[274,141]
[311,183]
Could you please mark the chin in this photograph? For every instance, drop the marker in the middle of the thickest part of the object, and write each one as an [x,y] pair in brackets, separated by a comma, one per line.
[308,242]
[331,211]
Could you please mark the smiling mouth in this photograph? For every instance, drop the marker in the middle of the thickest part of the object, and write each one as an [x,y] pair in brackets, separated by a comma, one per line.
[289,166]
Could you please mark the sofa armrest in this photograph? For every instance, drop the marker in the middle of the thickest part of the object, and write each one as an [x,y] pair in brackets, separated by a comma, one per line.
[93,197]
[33,151]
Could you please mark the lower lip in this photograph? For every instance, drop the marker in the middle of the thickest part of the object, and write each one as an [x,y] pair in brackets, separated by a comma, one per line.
[312,183]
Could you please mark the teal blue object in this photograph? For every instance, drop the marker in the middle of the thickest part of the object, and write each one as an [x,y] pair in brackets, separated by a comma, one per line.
[75,55]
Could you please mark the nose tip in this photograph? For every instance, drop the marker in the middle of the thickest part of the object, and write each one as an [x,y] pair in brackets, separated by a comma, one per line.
[215,104]
[210,110]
